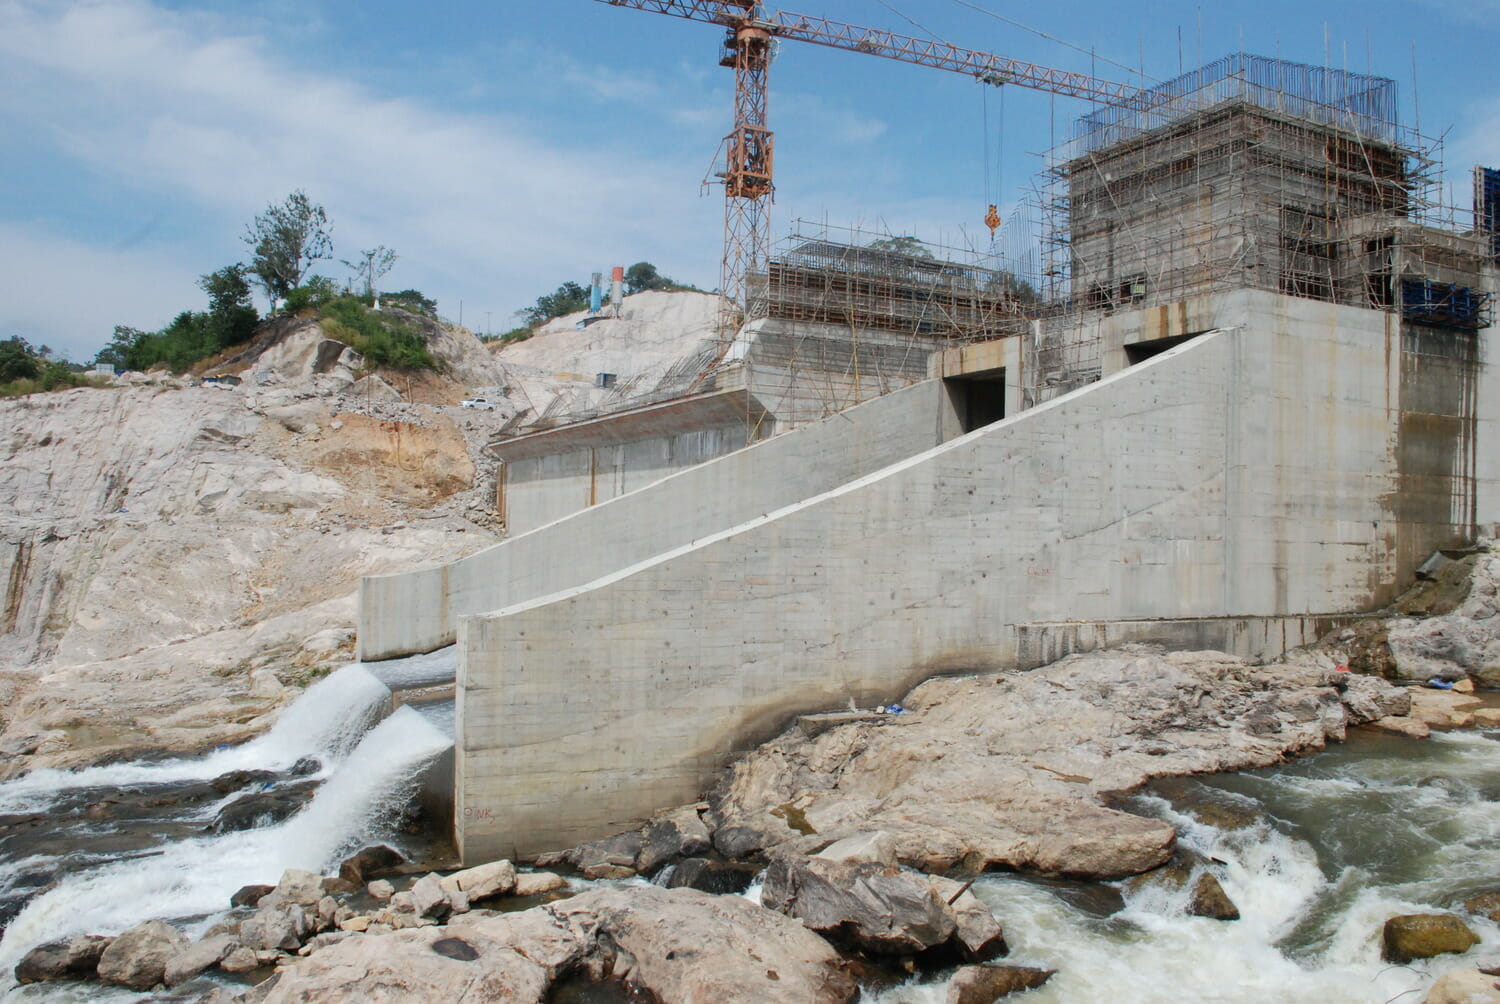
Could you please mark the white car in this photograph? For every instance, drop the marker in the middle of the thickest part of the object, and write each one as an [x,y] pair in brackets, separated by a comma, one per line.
[478,402]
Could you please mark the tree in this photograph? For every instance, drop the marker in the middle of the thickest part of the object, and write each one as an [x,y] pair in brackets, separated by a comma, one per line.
[285,240]
[568,297]
[231,315]
[17,362]
[643,276]
[369,267]
[412,300]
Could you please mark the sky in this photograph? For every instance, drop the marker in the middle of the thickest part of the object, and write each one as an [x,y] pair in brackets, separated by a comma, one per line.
[506,147]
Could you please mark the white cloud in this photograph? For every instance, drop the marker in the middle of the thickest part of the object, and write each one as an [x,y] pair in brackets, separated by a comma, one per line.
[483,206]
[69,296]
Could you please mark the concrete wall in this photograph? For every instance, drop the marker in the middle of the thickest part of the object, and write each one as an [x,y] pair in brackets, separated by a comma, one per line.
[1248,474]
[542,490]
[418,611]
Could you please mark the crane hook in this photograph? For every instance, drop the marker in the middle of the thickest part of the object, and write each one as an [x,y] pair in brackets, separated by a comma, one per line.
[992,220]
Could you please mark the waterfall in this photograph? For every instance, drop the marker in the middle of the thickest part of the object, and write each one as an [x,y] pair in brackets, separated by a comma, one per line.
[195,877]
[325,721]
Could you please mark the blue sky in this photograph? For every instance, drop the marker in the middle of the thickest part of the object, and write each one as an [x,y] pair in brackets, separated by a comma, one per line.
[502,148]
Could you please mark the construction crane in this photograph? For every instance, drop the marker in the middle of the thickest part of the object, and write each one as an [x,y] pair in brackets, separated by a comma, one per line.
[749,150]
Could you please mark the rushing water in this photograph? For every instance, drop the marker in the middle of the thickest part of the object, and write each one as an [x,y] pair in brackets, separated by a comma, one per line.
[1335,844]
[107,873]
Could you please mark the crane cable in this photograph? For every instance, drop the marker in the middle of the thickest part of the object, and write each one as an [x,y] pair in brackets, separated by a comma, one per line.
[1051,38]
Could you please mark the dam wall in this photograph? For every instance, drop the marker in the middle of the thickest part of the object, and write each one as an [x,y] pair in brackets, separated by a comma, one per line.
[409,612]
[1275,470]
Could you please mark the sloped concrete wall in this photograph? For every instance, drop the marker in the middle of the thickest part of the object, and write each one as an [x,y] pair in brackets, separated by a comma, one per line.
[1250,473]
[418,611]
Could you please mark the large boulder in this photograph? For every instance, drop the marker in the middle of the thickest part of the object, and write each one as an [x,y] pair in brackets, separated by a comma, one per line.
[429,899]
[707,875]
[1464,986]
[206,953]
[671,836]
[676,945]
[74,959]
[538,883]
[303,888]
[977,936]
[1208,899]
[1423,935]
[987,984]
[482,882]
[871,907]
[368,863]
[138,958]
[284,927]
[1013,771]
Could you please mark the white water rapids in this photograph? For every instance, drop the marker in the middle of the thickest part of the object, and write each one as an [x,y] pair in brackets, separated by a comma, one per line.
[1345,840]
[369,776]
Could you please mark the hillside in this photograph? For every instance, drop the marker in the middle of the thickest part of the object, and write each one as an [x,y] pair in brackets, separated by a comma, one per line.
[179,558]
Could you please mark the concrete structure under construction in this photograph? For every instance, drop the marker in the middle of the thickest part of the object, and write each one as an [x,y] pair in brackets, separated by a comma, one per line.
[1230,452]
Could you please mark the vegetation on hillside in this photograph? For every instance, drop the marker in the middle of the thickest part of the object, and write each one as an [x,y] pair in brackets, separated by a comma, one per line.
[570,297]
[28,370]
[286,241]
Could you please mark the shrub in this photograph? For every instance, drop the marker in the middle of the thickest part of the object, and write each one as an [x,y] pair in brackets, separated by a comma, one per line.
[382,341]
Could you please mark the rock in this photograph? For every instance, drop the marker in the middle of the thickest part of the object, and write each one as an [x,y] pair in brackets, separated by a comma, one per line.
[987,984]
[458,900]
[600,872]
[1486,904]
[370,861]
[1011,771]
[261,808]
[710,876]
[1423,935]
[206,953]
[538,883]
[306,766]
[429,898]
[241,960]
[1464,686]
[138,958]
[618,851]
[670,837]
[1413,728]
[1464,986]
[1443,709]
[977,936]
[1208,899]
[1369,699]
[356,924]
[870,907]
[303,888]
[404,902]
[283,926]
[482,882]
[1487,718]
[250,895]
[236,779]
[74,959]
[676,945]
[327,912]
[381,890]
[878,847]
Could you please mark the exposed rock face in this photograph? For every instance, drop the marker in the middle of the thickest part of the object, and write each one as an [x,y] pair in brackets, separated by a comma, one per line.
[138,958]
[679,945]
[1461,640]
[707,875]
[1006,770]
[1423,935]
[670,837]
[867,906]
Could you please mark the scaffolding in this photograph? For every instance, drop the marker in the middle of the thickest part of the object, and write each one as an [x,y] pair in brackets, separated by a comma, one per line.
[1252,173]
[880,282]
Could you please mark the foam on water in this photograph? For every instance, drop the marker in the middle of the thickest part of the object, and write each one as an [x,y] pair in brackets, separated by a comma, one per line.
[1314,881]
[195,877]
[326,721]
[417,670]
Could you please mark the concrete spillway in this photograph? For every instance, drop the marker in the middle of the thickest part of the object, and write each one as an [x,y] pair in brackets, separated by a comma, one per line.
[1239,491]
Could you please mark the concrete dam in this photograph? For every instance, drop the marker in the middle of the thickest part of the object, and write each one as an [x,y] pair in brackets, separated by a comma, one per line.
[1246,398]
[1290,463]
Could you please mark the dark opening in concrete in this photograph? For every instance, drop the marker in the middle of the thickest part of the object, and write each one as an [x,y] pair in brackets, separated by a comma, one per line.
[978,398]
[1141,351]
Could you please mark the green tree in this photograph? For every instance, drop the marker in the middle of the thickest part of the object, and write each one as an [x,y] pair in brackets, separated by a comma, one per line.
[567,299]
[285,240]
[412,300]
[17,361]
[231,314]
